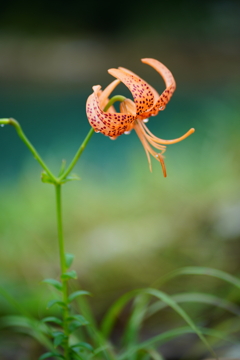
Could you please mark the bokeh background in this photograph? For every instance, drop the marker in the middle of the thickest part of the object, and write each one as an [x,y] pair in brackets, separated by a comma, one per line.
[126,226]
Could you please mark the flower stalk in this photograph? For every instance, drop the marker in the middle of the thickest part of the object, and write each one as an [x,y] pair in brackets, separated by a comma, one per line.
[32,149]
[63,268]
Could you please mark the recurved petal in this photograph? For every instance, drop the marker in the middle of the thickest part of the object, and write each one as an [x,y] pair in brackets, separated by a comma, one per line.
[116,120]
[155,93]
[162,101]
[97,124]
[91,113]
[162,70]
[103,97]
[166,95]
[109,124]
[141,92]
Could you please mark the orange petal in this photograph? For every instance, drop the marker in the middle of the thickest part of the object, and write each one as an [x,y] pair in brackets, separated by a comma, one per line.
[109,124]
[162,70]
[96,122]
[141,92]
[104,96]
[169,81]
[155,93]
[109,119]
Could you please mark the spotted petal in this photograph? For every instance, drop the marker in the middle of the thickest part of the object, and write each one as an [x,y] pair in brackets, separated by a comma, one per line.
[141,92]
[170,84]
[155,93]
[104,95]
[109,124]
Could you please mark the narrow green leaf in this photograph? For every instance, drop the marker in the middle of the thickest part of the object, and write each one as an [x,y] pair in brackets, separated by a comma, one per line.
[75,294]
[46,178]
[54,302]
[76,321]
[56,333]
[165,337]
[114,311]
[168,300]
[196,297]
[15,320]
[133,327]
[71,177]
[87,312]
[78,318]
[54,283]
[52,319]
[30,326]
[102,348]
[154,354]
[50,354]
[120,303]
[69,275]
[46,355]
[59,339]
[82,345]
[198,270]
[62,168]
[74,326]
[69,260]
[75,355]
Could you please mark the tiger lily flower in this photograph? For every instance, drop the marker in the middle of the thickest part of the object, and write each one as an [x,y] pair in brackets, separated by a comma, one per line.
[134,114]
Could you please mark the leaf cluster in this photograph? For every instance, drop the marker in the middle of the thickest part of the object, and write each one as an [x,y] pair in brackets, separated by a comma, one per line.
[86,340]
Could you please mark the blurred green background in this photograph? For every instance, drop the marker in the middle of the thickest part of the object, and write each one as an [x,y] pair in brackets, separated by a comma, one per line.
[126,226]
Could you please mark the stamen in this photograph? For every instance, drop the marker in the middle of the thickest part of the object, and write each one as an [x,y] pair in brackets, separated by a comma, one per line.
[168,142]
[150,139]
[145,144]
[161,160]
[146,141]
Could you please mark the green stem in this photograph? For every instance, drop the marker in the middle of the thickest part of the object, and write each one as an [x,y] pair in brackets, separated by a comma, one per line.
[113,100]
[23,137]
[63,267]
[77,156]
[87,138]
